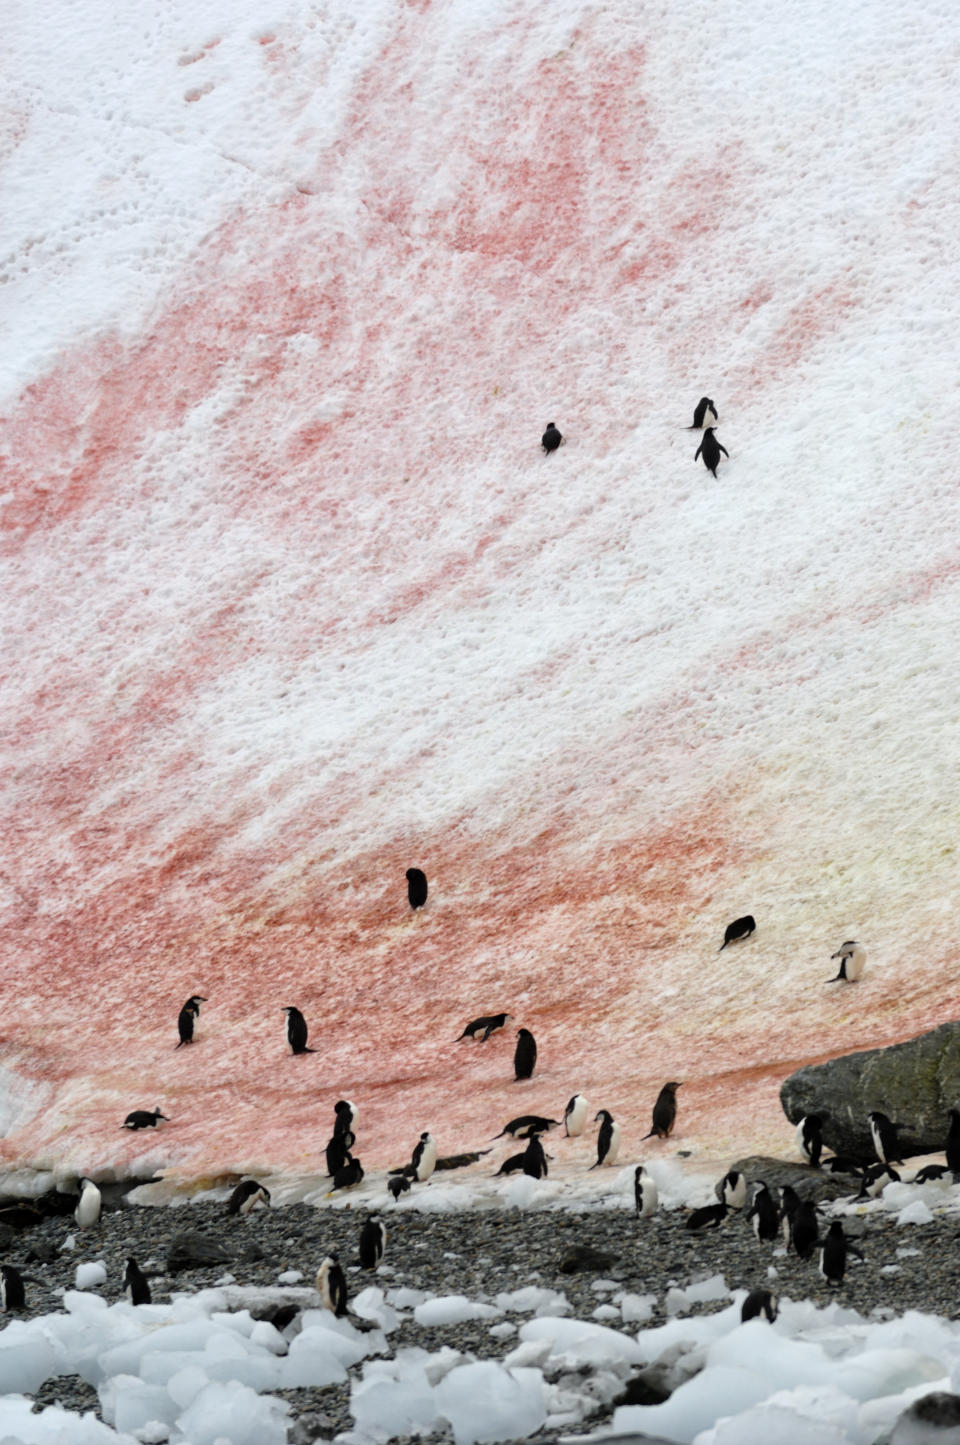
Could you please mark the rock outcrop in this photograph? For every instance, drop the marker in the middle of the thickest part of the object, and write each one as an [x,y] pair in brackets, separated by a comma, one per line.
[916,1084]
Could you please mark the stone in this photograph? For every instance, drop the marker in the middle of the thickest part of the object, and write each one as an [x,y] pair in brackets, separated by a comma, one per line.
[915,1083]
[812,1184]
[932,1419]
[193,1250]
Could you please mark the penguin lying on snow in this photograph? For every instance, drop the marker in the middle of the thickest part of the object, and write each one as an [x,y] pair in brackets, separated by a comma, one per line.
[347,1177]
[526,1125]
[485,1026]
[144,1118]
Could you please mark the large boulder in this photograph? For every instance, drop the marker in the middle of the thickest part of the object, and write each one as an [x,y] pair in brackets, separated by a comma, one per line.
[916,1084]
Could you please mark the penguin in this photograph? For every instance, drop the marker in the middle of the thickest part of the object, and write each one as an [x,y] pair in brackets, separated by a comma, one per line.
[424,1159]
[883,1132]
[513,1165]
[398,1184]
[527,1125]
[875,1180]
[485,1026]
[710,450]
[930,1173]
[843,1164]
[833,1255]
[525,1055]
[338,1153]
[953,1143]
[347,1177]
[710,1216]
[704,414]
[12,1294]
[135,1284]
[534,1159]
[732,1189]
[144,1119]
[810,1138]
[646,1195]
[87,1211]
[853,958]
[373,1241]
[739,928]
[247,1195]
[608,1139]
[551,438]
[664,1112]
[759,1302]
[763,1214]
[804,1228]
[297,1031]
[345,1121]
[575,1116]
[332,1286]
[789,1204]
[416,888]
[187,1017]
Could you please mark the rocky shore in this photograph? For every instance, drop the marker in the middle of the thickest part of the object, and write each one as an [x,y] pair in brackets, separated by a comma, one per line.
[589,1257]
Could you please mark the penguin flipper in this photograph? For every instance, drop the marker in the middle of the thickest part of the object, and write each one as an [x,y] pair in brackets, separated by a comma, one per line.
[698,451]
[724,450]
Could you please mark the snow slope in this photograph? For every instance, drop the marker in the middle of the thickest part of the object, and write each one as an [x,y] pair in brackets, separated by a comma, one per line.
[294,601]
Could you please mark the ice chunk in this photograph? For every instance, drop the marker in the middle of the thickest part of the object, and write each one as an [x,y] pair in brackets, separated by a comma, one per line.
[26,1357]
[636,1309]
[915,1213]
[397,1400]
[453,1309]
[578,1342]
[233,1412]
[128,1404]
[485,1402]
[89,1275]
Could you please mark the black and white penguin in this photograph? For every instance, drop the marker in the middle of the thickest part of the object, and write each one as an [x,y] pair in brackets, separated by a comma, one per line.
[575,1116]
[551,438]
[763,1214]
[710,450]
[833,1255]
[853,958]
[337,1153]
[373,1241]
[345,1178]
[704,414]
[247,1195]
[332,1286]
[608,1138]
[398,1184]
[646,1195]
[345,1120]
[513,1165]
[664,1112]
[87,1211]
[953,1143]
[810,1138]
[874,1180]
[485,1026]
[534,1159]
[843,1164]
[930,1173]
[759,1303]
[709,1216]
[527,1125]
[416,888]
[883,1132]
[732,1189]
[789,1204]
[187,1017]
[144,1118]
[739,928]
[135,1283]
[524,1055]
[12,1294]
[804,1228]
[297,1031]
[424,1159]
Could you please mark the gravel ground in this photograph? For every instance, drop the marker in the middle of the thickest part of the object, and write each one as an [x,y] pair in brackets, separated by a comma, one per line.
[477,1254]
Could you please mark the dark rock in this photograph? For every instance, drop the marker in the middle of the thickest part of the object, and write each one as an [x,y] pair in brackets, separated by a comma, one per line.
[20,1214]
[809,1183]
[460,1161]
[312,1426]
[934,1417]
[43,1251]
[643,1391]
[583,1258]
[915,1083]
[192,1250]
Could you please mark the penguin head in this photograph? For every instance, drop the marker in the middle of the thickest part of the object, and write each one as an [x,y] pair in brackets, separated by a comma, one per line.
[603,1114]
[194,1001]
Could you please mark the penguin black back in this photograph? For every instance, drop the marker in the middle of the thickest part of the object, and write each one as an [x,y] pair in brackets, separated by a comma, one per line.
[710,1216]
[704,414]
[710,450]
[135,1283]
[373,1240]
[416,887]
[527,1125]
[247,1195]
[144,1118]
[551,438]
[484,1027]
[187,1016]
[763,1214]
[525,1054]
[664,1112]
[534,1159]
[804,1228]
[759,1302]
[739,928]
[297,1031]
[12,1293]
[810,1138]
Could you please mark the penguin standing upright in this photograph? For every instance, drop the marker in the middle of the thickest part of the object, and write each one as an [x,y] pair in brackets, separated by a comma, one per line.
[646,1195]
[424,1159]
[804,1228]
[710,450]
[759,1302]
[534,1159]
[345,1121]
[347,1177]
[187,1017]
[763,1214]
[664,1112]
[551,438]
[789,1204]
[373,1241]
[608,1138]
[732,1189]
[704,414]
[953,1144]
[12,1293]
[135,1283]
[810,1138]
[87,1211]
[416,888]
[337,1153]
[833,1255]
[332,1286]
[398,1184]
[575,1116]
[297,1031]
[853,960]
[883,1132]
[525,1055]
[145,1118]
[247,1195]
